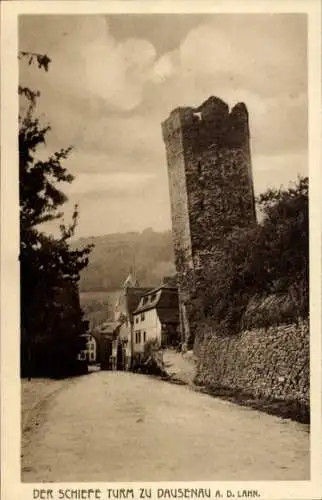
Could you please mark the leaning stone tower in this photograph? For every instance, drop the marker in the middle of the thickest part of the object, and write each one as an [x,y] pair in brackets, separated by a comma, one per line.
[211,185]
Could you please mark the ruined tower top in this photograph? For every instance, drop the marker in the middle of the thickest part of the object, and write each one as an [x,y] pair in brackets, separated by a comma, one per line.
[211,123]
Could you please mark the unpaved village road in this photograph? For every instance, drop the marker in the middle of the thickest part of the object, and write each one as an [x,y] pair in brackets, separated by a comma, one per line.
[116,426]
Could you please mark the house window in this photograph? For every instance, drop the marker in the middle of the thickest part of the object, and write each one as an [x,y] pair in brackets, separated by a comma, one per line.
[142,316]
[144,337]
[137,319]
[138,337]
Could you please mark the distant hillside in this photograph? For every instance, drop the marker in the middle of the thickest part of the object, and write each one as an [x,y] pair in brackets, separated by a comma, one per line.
[99,306]
[149,254]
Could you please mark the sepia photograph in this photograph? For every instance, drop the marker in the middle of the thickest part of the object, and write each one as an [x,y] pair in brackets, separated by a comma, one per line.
[164,265]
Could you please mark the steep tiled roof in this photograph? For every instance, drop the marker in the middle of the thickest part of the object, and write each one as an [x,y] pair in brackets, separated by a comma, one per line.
[133,297]
[165,300]
[130,281]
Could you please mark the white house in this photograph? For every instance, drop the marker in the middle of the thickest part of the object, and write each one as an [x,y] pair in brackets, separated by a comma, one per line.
[156,318]
[127,302]
[90,351]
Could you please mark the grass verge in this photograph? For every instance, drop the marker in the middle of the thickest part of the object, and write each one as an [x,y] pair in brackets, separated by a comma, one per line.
[293,410]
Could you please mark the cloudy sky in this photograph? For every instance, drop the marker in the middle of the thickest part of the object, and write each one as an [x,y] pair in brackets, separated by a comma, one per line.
[114,78]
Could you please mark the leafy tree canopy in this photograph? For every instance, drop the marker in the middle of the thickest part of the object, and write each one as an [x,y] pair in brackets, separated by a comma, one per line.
[269,258]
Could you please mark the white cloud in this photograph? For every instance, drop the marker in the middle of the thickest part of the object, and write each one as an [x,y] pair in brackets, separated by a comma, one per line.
[149,207]
[113,183]
[278,170]
[108,99]
[88,62]
[163,69]
[264,54]
[259,60]
[117,73]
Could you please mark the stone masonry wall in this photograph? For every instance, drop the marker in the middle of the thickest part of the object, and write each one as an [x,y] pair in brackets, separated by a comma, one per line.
[219,198]
[173,137]
[266,363]
[218,176]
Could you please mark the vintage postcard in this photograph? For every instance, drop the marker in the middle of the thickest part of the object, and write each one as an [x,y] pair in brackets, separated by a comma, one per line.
[161,250]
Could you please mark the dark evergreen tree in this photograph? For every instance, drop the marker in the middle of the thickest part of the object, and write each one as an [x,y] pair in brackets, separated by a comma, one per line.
[52,321]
